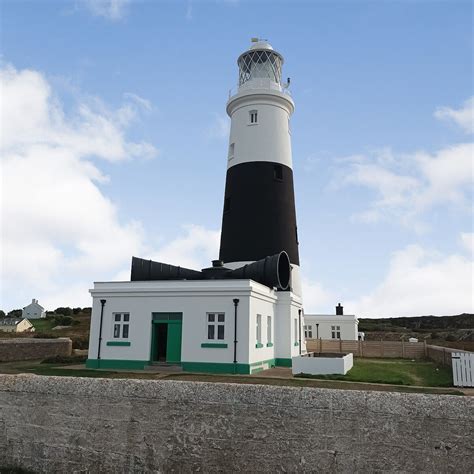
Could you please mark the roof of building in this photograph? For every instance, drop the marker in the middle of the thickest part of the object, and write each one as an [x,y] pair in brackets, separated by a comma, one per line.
[9,321]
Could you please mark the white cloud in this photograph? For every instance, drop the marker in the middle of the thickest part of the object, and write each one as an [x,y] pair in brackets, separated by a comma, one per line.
[408,185]
[421,282]
[467,239]
[316,298]
[112,10]
[193,250]
[59,229]
[463,117]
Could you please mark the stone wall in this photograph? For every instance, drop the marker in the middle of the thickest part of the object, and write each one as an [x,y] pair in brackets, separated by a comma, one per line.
[62,424]
[30,349]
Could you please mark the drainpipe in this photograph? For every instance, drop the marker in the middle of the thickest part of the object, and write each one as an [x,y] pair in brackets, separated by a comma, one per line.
[299,327]
[236,303]
[102,302]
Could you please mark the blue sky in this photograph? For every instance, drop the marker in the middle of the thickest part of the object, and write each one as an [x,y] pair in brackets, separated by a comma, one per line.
[125,101]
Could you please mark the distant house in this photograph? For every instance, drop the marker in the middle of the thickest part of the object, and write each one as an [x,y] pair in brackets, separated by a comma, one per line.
[33,311]
[331,326]
[15,325]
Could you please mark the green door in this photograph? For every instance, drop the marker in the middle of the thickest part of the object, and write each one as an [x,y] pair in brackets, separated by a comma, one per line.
[173,346]
[172,334]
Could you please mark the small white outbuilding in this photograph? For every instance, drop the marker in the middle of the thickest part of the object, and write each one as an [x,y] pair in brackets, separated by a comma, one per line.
[331,326]
[33,311]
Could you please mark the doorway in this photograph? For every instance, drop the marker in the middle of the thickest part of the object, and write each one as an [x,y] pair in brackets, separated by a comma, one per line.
[166,337]
[161,339]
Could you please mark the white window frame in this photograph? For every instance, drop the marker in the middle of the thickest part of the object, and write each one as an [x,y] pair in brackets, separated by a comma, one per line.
[258,327]
[218,321]
[308,331]
[335,332]
[121,325]
[269,330]
[253,117]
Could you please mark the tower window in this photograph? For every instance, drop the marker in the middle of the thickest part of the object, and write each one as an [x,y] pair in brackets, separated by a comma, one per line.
[278,172]
[253,116]
[231,150]
[227,204]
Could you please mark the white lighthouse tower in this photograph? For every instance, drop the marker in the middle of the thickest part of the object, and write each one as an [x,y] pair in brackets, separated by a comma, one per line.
[259,217]
[243,314]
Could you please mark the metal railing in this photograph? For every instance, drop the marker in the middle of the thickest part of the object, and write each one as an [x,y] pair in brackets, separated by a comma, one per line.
[259,84]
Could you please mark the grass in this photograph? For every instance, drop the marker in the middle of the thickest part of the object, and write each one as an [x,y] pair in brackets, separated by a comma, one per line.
[63,370]
[395,371]
[42,325]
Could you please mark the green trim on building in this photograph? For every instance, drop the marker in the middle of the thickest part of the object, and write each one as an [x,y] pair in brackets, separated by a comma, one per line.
[226,368]
[166,317]
[214,345]
[258,345]
[283,362]
[269,344]
[296,344]
[116,364]
[118,343]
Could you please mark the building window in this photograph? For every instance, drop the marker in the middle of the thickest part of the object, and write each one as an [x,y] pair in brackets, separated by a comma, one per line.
[121,325]
[278,172]
[253,117]
[227,204]
[215,326]
[259,328]
[269,330]
[296,331]
[308,331]
[231,150]
[336,332]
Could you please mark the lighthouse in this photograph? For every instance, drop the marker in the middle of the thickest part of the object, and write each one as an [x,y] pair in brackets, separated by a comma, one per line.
[244,313]
[259,217]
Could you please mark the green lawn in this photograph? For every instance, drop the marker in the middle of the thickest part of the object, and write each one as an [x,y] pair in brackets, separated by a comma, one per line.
[42,325]
[395,371]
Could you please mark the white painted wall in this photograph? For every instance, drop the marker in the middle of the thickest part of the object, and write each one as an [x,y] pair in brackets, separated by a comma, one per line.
[270,138]
[194,299]
[322,365]
[349,325]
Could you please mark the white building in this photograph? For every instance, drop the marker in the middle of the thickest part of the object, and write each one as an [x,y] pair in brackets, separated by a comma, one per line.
[33,311]
[331,326]
[243,314]
[15,325]
[192,323]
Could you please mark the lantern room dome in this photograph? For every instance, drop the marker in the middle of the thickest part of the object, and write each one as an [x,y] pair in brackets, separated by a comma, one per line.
[261,44]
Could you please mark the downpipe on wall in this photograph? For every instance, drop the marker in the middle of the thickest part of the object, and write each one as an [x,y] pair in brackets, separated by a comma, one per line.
[236,303]
[299,329]
[102,302]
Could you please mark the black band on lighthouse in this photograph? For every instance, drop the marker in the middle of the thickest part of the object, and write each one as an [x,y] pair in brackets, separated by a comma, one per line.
[259,216]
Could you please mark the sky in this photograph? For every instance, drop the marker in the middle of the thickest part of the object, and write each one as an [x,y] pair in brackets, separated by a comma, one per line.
[114,143]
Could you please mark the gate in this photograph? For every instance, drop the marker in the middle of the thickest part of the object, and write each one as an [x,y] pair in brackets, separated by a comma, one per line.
[463,369]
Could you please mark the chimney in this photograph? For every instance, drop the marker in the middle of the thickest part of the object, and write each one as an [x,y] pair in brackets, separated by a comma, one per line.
[33,300]
[339,310]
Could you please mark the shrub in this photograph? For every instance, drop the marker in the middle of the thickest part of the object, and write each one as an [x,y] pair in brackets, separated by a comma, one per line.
[80,342]
[45,335]
[76,310]
[65,311]
[62,320]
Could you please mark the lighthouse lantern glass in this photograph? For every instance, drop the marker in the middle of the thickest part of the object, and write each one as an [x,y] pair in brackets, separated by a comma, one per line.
[260,65]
